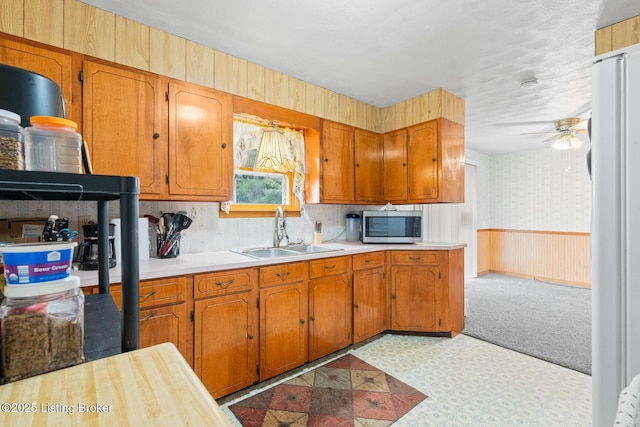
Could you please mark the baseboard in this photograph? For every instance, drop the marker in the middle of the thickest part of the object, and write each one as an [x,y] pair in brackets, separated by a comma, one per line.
[543,279]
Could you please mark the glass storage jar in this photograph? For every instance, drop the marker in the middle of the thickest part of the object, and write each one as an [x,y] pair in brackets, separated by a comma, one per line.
[52,144]
[11,140]
[42,328]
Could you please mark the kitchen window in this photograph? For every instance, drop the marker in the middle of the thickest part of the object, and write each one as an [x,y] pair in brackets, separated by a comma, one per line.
[256,191]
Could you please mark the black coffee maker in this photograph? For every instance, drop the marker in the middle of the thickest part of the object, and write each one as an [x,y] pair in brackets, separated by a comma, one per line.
[88,250]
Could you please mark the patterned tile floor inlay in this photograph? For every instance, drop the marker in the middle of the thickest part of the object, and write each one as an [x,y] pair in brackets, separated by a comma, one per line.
[468,383]
[343,392]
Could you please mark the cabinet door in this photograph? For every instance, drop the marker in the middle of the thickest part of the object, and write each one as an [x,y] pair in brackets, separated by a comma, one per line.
[330,312]
[394,149]
[49,62]
[226,342]
[124,125]
[414,298]
[165,324]
[368,166]
[369,303]
[283,328]
[423,162]
[337,162]
[200,141]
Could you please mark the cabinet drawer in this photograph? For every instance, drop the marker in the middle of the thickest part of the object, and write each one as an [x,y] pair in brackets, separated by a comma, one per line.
[156,292]
[415,257]
[328,267]
[224,282]
[283,273]
[364,261]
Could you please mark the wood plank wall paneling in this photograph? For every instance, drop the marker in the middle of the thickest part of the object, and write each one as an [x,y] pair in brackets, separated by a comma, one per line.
[484,251]
[616,36]
[11,13]
[85,29]
[47,25]
[560,257]
[419,109]
[133,44]
[89,30]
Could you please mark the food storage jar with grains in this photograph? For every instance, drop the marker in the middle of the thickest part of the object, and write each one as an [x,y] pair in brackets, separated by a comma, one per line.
[52,144]
[42,328]
[11,140]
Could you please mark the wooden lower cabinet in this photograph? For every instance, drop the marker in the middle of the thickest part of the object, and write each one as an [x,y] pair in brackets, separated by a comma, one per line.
[330,307]
[416,287]
[284,314]
[427,291]
[226,342]
[165,324]
[164,313]
[369,296]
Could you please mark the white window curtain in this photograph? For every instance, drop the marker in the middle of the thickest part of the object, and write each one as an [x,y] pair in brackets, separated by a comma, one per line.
[247,133]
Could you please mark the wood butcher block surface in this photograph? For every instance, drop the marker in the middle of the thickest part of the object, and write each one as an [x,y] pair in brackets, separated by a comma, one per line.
[153,386]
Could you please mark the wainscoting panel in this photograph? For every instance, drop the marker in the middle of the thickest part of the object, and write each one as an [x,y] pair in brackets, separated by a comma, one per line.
[484,251]
[560,257]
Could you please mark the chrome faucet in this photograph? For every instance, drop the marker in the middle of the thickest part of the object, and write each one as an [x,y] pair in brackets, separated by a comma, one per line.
[280,231]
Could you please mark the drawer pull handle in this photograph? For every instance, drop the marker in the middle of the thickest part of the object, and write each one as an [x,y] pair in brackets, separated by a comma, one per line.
[283,276]
[225,285]
[368,260]
[250,337]
[414,258]
[330,267]
[355,306]
[150,294]
[302,321]
[393,296]
[148,316]
[312,318]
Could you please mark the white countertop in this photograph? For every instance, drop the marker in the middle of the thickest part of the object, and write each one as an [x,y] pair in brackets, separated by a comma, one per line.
[203,262]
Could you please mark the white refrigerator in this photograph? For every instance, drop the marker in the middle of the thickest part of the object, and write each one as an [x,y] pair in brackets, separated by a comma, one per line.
[615,228]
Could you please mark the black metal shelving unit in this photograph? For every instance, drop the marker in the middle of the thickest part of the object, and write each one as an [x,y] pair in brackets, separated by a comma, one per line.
[107,331]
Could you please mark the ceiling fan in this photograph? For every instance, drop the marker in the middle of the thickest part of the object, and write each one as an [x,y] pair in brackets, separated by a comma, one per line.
[565,133]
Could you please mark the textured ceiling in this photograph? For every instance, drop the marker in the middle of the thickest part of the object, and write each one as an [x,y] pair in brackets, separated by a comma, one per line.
[385,51]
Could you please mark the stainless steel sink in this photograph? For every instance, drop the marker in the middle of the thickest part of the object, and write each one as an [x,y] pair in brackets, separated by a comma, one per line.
[272,252]
[310,249]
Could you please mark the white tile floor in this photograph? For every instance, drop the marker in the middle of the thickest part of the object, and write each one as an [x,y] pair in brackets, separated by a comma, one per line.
[473,383]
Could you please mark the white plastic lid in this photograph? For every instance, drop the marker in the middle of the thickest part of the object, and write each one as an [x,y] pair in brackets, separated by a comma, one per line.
[10,115]
[43,288]
[37,247]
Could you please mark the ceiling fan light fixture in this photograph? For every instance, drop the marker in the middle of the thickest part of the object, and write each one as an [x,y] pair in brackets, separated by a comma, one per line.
[529,83]
[566,140]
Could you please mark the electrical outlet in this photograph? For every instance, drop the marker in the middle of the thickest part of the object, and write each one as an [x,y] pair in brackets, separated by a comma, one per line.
[83,219]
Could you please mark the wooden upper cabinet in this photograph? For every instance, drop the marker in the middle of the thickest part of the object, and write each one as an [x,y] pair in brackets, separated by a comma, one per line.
[49,62]
[337,163]
[125,125]
[200,141]
[368,166]
[424,163]
[451,162]
[394,149]
[176,137]
[423,158]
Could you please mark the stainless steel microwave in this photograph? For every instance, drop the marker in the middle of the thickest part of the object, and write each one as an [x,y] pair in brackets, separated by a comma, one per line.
[390,226]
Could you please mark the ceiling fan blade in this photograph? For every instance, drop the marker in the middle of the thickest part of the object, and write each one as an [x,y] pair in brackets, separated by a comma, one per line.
[550,139]
[538,133]
[582,126]
[509,124]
